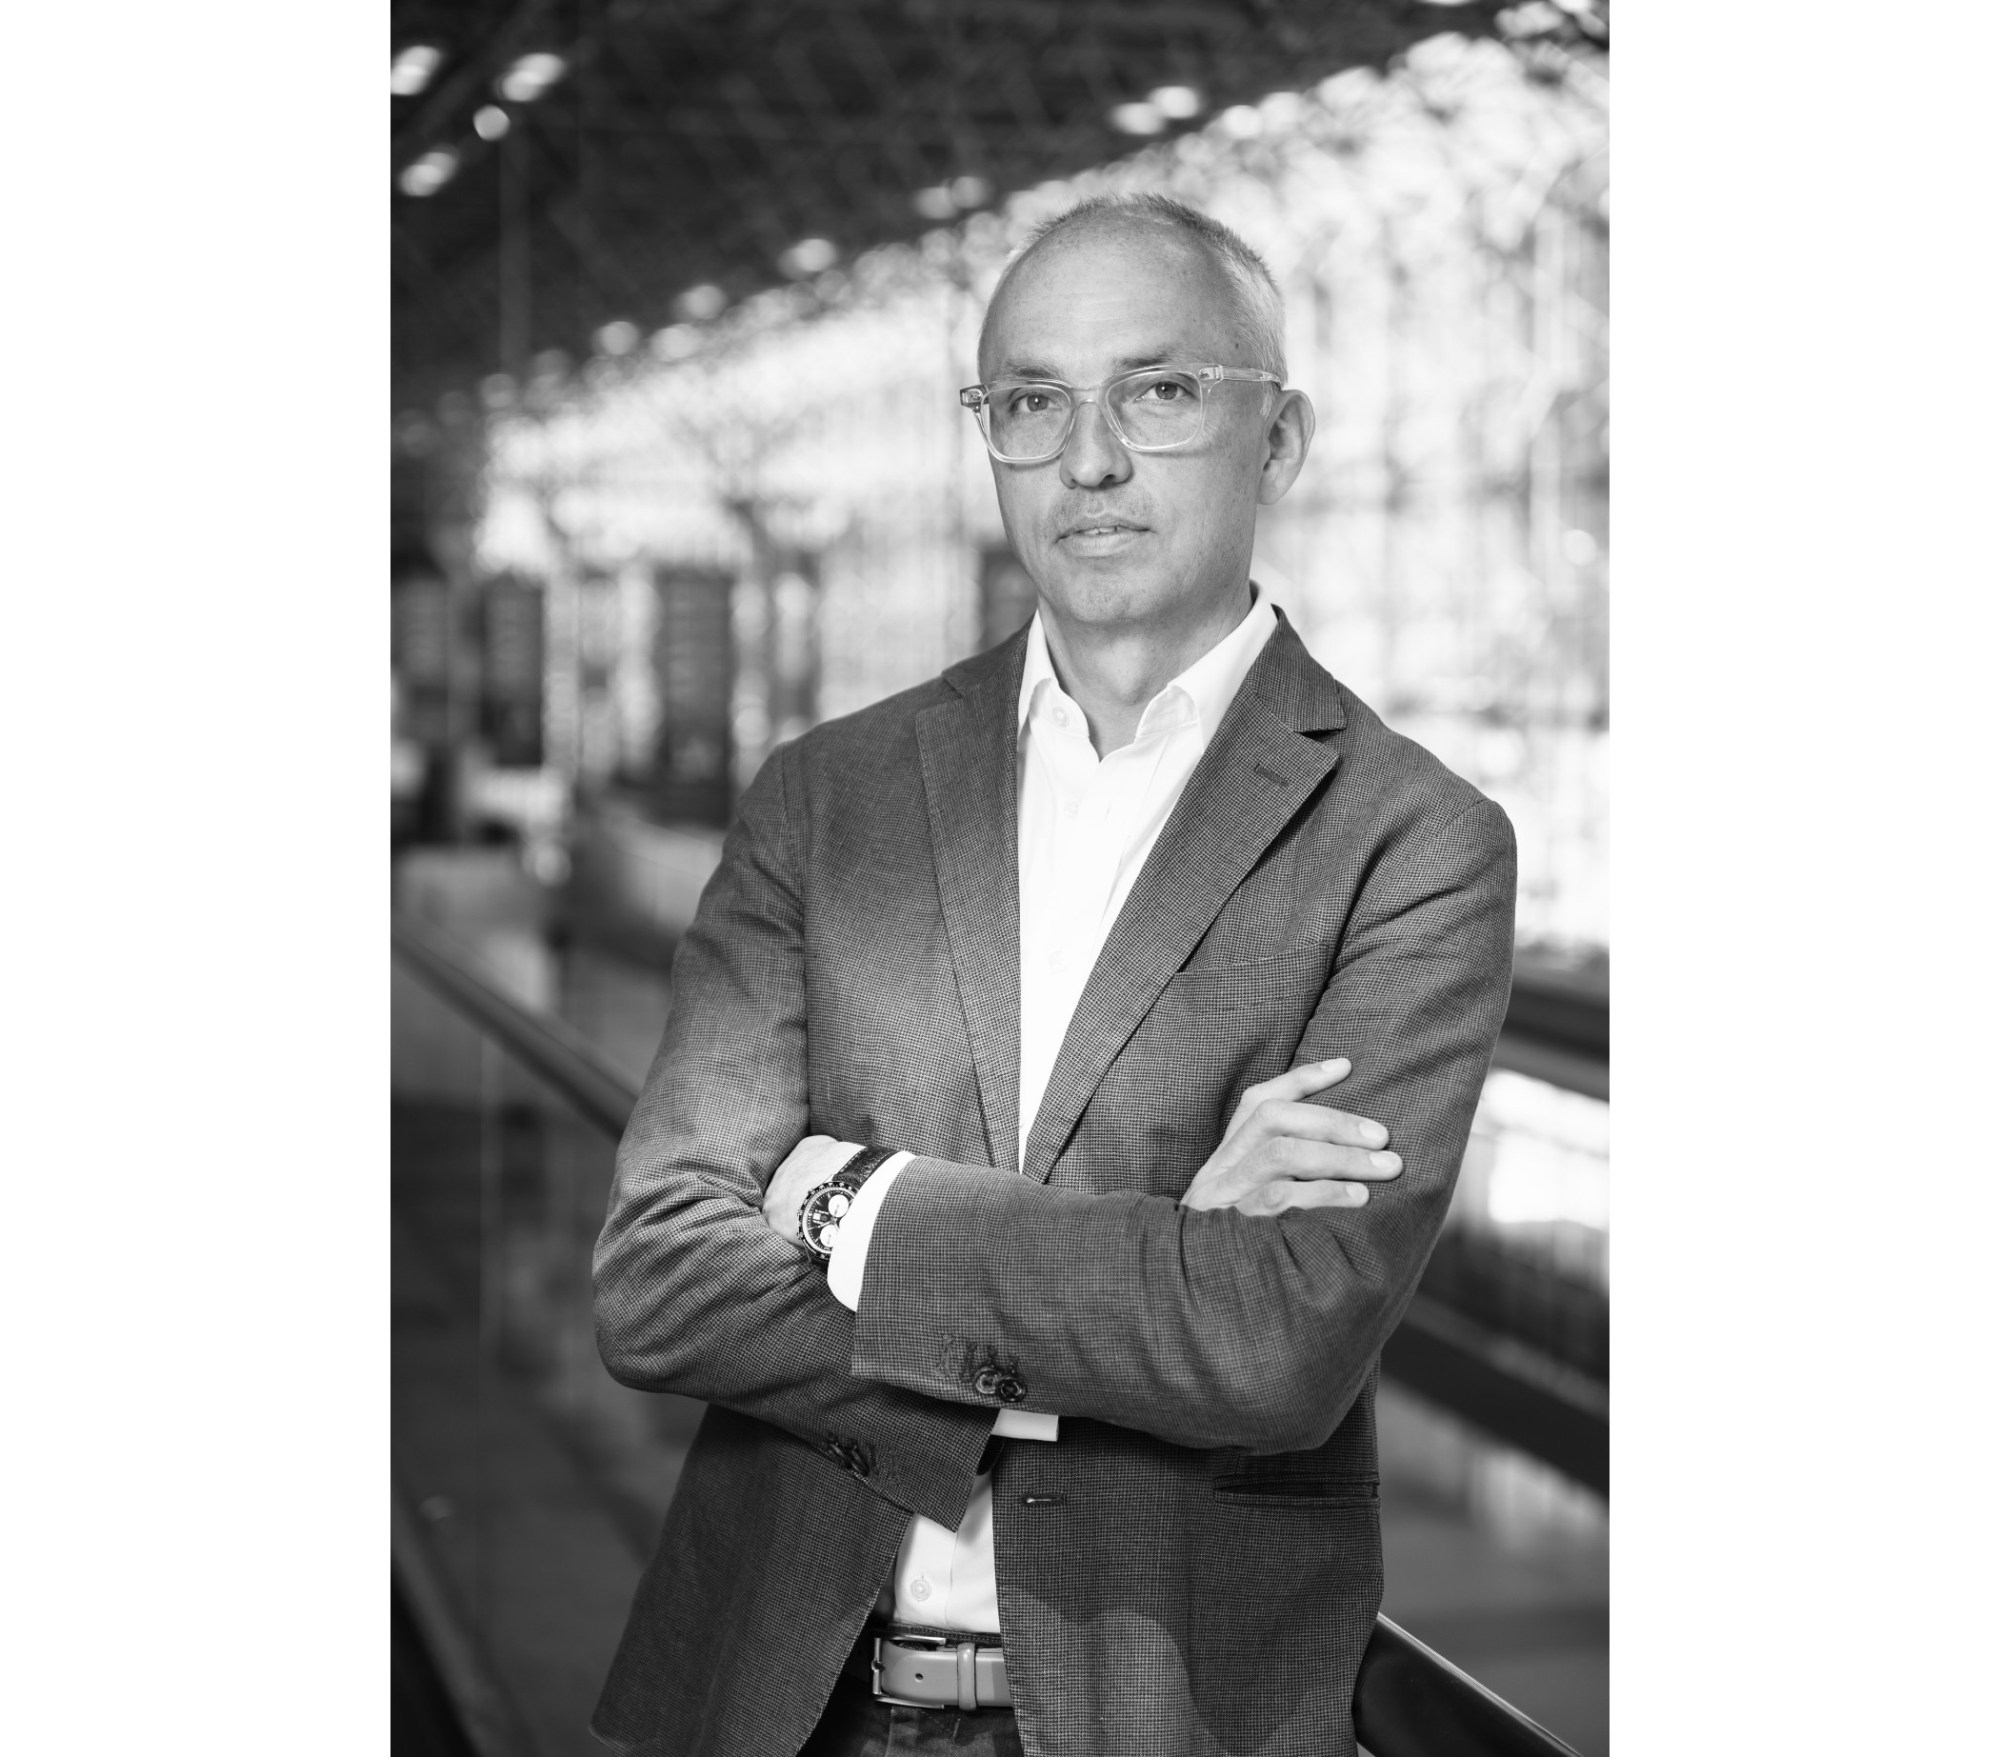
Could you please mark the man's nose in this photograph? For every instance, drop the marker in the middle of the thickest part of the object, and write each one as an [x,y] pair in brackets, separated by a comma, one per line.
[1093,456]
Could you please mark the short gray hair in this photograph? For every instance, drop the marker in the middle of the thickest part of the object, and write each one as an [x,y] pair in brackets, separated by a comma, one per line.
[1260,307]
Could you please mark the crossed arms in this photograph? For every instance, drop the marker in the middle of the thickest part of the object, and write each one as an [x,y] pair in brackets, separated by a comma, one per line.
[1244,1313]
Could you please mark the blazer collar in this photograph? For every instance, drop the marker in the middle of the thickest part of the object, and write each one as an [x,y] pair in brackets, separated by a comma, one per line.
[966,748]
[1290,680]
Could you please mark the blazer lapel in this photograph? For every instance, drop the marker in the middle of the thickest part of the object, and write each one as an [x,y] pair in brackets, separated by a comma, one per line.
[1257,772]
[967,749]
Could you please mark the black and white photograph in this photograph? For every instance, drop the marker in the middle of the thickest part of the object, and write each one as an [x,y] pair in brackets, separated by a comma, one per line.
[1001,1104]
[984,1126]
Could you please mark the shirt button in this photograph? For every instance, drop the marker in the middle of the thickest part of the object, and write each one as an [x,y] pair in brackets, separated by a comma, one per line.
[1060,716]
[920,1589]
[1071,809]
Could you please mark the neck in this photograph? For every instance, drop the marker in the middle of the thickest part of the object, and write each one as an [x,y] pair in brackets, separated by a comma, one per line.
[1111,671]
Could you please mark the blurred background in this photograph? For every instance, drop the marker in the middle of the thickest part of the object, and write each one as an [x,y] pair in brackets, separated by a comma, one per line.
[683,296]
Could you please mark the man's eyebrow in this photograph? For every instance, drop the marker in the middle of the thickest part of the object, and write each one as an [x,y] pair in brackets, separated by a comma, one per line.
[1034,369]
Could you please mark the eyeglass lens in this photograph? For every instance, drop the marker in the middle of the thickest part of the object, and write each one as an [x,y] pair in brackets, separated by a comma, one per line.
[1147,408]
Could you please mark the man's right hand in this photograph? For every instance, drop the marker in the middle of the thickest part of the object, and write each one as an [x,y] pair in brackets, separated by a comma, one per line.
[1281,1153]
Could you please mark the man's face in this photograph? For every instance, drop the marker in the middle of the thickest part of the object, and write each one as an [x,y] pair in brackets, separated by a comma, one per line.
[1115,537]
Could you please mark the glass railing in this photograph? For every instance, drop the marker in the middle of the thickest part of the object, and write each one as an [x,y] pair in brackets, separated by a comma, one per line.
[529,1486]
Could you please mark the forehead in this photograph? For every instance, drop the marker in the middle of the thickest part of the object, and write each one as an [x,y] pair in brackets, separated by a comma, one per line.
[1086,305]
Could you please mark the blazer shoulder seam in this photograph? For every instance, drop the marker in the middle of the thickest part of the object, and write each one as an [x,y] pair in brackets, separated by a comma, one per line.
[1479,802]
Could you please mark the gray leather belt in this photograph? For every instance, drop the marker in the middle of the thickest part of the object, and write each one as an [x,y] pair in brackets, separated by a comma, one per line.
[940,1671]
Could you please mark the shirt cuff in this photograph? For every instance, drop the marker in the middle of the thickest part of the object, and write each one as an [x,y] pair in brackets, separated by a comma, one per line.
[1022,1424]
[849,1261]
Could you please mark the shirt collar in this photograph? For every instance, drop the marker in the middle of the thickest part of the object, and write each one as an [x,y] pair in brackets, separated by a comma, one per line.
[1208,686]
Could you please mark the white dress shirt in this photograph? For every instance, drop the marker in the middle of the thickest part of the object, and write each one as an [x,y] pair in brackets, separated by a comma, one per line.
[1086,827]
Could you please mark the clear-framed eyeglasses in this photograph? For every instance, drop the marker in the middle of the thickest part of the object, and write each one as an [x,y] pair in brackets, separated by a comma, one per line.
[1157,408]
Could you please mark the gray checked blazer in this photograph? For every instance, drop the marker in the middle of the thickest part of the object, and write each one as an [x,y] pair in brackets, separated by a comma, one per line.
[1195,1566]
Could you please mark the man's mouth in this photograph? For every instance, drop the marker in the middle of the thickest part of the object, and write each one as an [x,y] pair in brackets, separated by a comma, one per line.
[1100,528]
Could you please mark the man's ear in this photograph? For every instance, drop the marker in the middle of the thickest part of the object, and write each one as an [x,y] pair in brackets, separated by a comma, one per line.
[1288,436]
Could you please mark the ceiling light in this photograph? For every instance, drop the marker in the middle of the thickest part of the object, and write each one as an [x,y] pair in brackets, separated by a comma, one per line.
[429,174]
[935,203]
[809,256]
[411,71]
[971,192]
[618,337]
[699,304]
[1240,122]
[530,76]
[1176,102]
[489,122]
[1281,109]
[1137,119]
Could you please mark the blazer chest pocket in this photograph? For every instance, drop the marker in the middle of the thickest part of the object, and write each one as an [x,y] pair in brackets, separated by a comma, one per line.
[1290,981]
[1265,1489]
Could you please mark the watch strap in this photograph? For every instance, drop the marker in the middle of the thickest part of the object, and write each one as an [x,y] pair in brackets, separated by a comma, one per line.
[864,1165]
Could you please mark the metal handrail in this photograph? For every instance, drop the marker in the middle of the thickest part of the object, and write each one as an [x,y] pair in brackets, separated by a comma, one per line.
[554,1049]
[1409,1701]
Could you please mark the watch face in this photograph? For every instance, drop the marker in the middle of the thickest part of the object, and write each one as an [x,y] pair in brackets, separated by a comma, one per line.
[820,1217]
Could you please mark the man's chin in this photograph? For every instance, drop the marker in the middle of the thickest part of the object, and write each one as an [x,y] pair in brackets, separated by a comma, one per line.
[1100,596]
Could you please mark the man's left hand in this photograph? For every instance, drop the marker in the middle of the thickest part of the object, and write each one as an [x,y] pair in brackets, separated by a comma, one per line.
[809,1164]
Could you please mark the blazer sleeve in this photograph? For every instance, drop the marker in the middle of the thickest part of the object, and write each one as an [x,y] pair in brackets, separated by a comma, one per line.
[694,1291]
[1215,1328]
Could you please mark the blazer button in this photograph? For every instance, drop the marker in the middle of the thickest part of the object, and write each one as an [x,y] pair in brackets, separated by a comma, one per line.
[986,1382]
[1011,1391]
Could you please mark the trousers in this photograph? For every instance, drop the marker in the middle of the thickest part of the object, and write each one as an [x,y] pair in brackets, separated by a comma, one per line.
[857,1723]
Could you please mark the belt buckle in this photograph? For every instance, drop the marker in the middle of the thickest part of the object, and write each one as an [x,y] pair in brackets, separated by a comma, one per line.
[964,1668]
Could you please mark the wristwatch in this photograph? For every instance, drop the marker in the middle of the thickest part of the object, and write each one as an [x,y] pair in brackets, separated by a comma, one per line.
[821,1213]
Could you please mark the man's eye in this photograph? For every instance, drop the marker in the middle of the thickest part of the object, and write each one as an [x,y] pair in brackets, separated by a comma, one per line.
[1166,390]
[1030,402]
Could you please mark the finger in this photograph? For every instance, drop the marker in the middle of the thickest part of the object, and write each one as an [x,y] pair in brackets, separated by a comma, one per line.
[1319,1122]
[1291,1157]
[1283,1196]
[1294,1083]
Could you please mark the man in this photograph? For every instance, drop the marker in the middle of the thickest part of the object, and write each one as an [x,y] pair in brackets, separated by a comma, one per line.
[1032,988]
